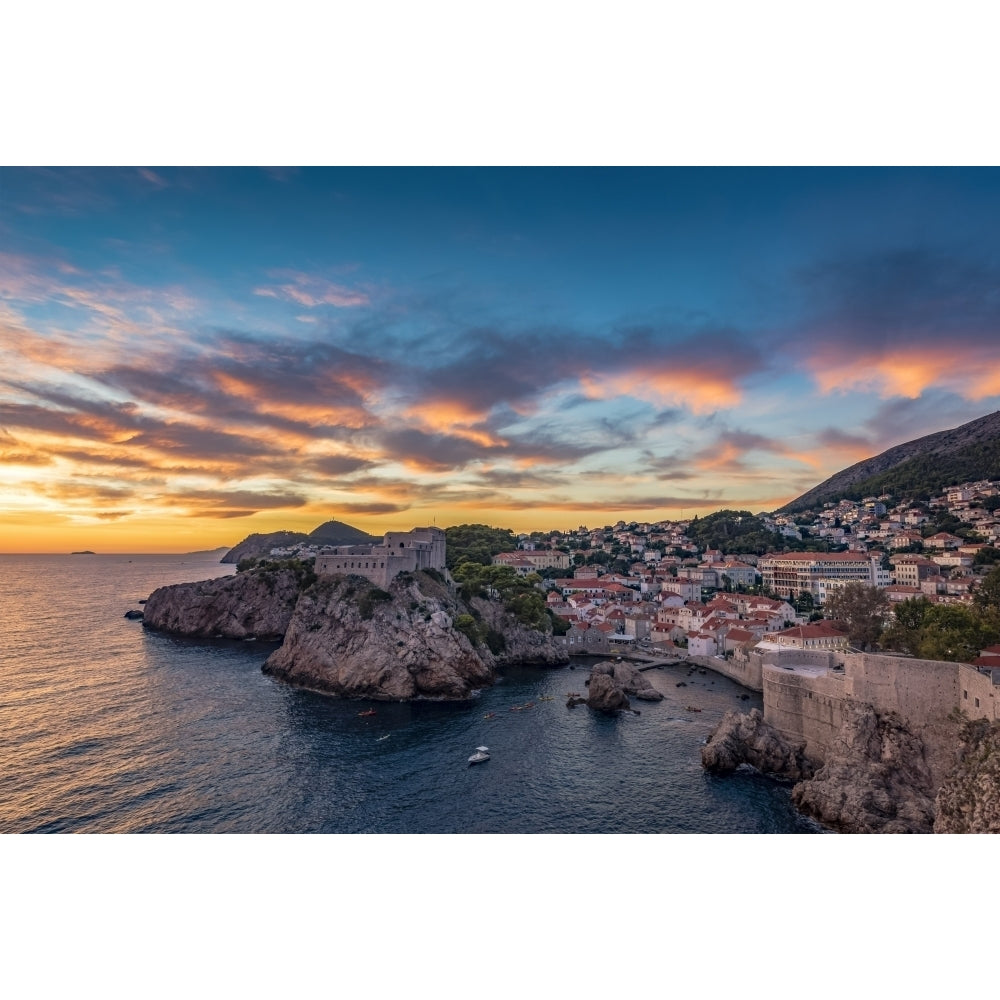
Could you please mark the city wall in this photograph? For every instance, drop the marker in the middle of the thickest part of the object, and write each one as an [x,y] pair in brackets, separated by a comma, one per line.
[808,701]
[747,672]
[979,693]
[805,707]
[921,691]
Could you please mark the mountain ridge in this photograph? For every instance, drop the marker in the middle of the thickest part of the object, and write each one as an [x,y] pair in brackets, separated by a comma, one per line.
[917,469]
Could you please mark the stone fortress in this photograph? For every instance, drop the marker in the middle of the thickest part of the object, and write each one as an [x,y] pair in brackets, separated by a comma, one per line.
[808,693]
[400,552]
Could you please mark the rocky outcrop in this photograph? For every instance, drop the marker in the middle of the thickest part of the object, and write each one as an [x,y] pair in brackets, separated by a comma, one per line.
[604,695]
[633,681]
[346,637]
[258,604]
[968,801]
[611,683]
[521,645]
[748,739]
[875,778]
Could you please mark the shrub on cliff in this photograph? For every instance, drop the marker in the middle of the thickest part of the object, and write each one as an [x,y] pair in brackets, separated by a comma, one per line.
[368,600]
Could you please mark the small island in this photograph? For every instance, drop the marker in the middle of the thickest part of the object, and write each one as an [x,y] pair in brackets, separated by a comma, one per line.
[84,552]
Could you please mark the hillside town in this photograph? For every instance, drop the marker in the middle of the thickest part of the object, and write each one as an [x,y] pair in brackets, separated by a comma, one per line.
[652,585]
[655,586]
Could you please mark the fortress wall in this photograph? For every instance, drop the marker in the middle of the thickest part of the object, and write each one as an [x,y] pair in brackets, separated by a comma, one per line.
[807,708]
[371,565]
[792,656]
[973,685]
[400,552]
[921,691]
[745,672]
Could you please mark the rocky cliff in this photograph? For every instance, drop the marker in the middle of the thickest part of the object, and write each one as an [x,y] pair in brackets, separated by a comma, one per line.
[258,603]
[748,739]
[346,637]
[969,798]
[875,779]
[880,776]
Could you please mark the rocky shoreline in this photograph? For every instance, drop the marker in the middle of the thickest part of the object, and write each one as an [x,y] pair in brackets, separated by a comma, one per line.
[343,636]
[880,776]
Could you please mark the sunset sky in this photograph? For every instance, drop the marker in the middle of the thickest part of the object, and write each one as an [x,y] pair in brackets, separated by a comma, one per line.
[191,355]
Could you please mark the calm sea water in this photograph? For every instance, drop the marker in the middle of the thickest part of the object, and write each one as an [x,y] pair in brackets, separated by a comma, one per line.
[107,727]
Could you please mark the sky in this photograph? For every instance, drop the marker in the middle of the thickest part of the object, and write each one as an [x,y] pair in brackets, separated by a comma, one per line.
[191,355]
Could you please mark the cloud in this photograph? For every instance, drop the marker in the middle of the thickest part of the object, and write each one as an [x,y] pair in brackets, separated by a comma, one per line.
[900,322]
[153,178]
[311,291]
[375,507]
[729,450]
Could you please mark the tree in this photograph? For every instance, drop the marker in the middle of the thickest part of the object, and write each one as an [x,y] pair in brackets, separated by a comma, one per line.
[904,634]
[987,595]
[953,632]
[863,608]
[476,543]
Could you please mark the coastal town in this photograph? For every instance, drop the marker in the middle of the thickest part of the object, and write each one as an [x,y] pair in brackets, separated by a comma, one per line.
[653,586]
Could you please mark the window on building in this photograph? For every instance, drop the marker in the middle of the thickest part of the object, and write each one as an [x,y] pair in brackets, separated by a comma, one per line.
[977,703]
[965,695]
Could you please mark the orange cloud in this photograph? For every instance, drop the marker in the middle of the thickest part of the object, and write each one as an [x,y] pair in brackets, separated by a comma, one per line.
[314,414]
[454,418]
[971,370]
[701,391]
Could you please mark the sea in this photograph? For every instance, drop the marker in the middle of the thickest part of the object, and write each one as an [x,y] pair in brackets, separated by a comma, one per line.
[107,726]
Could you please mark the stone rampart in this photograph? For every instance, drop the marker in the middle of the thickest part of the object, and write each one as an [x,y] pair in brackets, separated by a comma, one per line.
[805,705]
[746,672]
[921,691]
[979,692]
[400,552]
[806,699]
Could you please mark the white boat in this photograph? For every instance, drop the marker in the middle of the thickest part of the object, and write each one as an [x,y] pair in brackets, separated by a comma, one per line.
[481,754]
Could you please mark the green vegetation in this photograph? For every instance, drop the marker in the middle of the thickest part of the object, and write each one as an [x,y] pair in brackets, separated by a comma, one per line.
[480,634]
[368,600]
[741,531]
[948,631]
[864,609]
[476,543]
[303,569]
[927,475]
[519,595]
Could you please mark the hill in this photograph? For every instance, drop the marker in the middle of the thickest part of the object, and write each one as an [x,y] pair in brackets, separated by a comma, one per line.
[917,469]
[329,533]
[338,533]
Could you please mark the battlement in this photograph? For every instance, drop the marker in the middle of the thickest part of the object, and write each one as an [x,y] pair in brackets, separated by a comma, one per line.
[400,552]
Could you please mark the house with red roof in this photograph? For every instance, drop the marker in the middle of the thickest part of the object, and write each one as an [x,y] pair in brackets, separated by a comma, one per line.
[826,634]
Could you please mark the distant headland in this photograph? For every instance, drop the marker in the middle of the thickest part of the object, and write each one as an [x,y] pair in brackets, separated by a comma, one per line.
[84,552]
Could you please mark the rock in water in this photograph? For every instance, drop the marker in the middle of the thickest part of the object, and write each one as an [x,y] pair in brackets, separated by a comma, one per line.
[604,695]
[748,739]
[874,780]
[634,682]
[969,799]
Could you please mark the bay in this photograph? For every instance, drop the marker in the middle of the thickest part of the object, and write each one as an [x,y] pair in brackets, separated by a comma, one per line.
[109,727]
